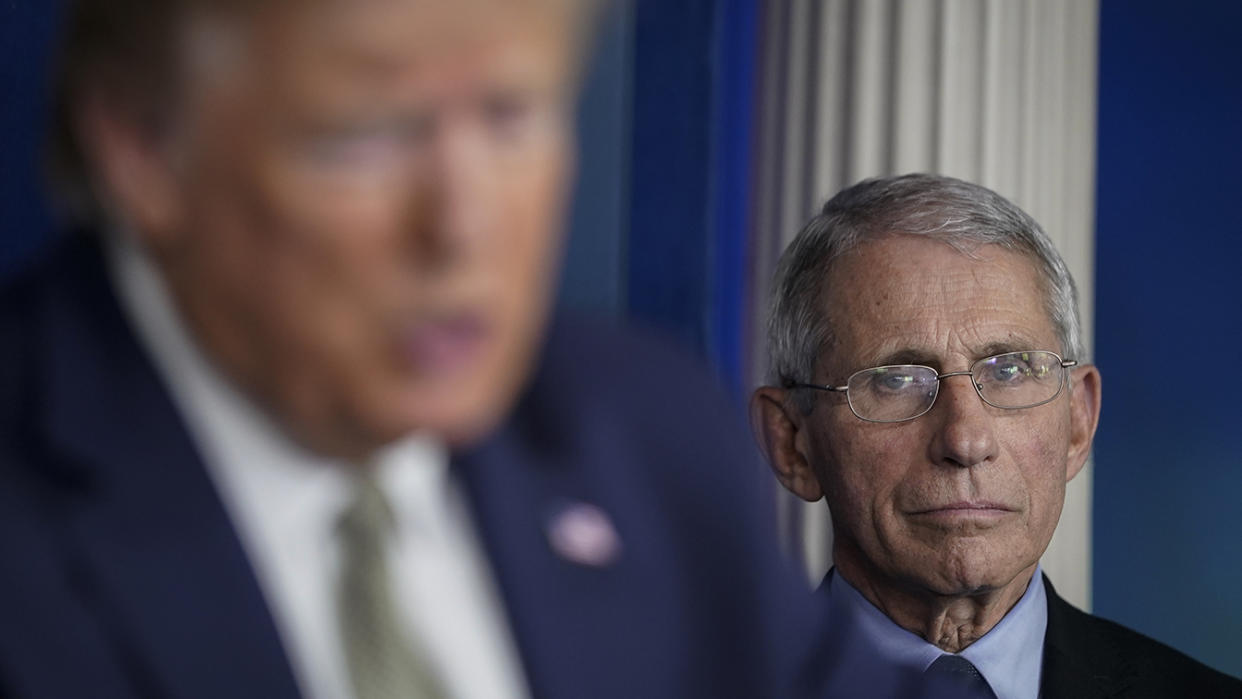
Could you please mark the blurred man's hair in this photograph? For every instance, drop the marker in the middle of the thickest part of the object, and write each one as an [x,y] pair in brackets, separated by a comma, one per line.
[125,49]
[129,52]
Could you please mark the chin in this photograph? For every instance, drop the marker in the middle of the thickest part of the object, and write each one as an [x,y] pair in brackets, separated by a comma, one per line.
[967,586]
[457,418]
[969,571]
[463,430]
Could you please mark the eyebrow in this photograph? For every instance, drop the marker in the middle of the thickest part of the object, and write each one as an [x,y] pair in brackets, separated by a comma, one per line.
[910,355]
[1016,345]
[907,356]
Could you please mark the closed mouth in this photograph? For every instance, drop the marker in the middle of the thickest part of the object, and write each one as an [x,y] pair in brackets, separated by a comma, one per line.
[981,507]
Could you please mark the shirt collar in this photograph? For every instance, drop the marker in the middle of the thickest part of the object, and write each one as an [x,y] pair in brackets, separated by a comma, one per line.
[1009,656]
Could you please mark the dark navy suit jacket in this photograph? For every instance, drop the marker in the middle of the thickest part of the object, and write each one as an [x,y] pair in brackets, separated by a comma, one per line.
[1085,657]
[123,576]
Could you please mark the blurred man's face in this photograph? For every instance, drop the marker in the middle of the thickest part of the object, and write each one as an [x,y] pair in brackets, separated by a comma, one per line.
[363,217]
[965,498]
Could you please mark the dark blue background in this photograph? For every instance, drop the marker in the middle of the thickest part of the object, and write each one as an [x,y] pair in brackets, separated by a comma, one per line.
[666,152]
[1168,458]
[26,32]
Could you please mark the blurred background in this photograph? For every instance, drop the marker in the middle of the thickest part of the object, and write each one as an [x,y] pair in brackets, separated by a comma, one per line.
[711,130]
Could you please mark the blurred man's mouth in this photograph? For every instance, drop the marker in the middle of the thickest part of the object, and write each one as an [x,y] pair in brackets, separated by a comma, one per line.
[445,344]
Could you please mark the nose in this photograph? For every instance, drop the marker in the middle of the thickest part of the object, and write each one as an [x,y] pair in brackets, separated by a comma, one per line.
[454,201]
[965,435]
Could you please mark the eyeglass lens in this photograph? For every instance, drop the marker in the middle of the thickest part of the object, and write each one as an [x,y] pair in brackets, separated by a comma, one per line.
[902,392]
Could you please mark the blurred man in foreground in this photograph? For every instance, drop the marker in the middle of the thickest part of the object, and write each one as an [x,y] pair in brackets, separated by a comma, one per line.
[290,419]
[929,382]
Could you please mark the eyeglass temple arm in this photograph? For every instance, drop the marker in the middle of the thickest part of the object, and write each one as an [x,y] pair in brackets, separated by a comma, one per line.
[833,389]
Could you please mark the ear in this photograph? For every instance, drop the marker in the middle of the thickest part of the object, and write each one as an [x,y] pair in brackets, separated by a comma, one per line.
[132,167]
[776,428]
[1084,416]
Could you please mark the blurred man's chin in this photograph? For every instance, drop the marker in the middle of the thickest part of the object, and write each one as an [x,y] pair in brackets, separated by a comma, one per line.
[457,419]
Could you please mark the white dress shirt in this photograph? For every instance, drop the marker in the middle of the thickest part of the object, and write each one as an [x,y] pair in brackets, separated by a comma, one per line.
[285,503]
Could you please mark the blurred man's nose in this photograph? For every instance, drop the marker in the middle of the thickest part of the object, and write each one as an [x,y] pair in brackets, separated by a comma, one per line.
[964,435]
[458,189]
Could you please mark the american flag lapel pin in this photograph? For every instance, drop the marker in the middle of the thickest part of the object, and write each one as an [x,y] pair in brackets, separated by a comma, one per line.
[583,533]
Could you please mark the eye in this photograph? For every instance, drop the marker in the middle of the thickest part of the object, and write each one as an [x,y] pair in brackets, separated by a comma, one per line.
[511,115]
[356,149]
[893,381]
[1011,369]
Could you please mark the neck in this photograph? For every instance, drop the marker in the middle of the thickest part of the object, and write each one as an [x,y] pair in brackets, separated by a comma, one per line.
[951,622]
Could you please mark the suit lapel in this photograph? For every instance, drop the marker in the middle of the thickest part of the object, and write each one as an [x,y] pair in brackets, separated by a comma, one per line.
[585,626]
[145,529]
[1079,663]
[509,495]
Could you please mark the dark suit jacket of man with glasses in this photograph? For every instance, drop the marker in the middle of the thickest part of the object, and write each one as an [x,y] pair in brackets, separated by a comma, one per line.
[290,417]
[928,381]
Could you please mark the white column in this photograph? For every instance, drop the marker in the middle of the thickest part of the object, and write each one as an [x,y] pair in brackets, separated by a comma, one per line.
[999,92]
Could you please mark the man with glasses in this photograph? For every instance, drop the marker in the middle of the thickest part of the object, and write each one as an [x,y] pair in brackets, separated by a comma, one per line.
[928,381]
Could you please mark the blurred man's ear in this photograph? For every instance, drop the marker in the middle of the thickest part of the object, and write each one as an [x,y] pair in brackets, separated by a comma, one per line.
[776,426]
[133,173]
[1084,416]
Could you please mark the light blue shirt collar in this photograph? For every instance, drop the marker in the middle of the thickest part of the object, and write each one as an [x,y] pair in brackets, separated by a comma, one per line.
[880,658]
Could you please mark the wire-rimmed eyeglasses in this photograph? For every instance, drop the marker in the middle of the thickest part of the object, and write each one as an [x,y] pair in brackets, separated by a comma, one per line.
[900,392]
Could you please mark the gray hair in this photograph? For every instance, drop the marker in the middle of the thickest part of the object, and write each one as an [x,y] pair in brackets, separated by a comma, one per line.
[958,213]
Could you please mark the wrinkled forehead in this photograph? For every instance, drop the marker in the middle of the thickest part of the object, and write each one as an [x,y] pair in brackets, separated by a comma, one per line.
[908,299]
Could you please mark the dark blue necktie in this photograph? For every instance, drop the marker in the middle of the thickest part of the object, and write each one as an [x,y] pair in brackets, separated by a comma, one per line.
[952,676]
